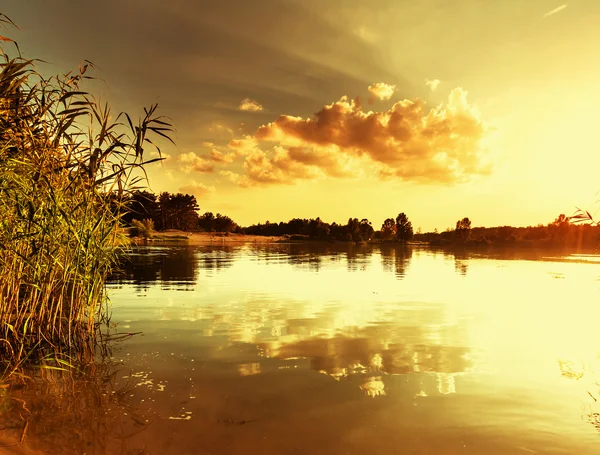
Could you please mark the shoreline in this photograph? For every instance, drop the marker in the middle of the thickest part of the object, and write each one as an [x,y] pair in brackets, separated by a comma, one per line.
[208,238]
[203,238]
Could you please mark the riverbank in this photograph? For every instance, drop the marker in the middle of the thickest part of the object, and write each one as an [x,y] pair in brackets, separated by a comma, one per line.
[203,238]
[216,238]
[220,238]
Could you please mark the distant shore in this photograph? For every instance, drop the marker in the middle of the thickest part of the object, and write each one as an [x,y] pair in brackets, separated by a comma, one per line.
[203,238]
[221,238]
[174,237]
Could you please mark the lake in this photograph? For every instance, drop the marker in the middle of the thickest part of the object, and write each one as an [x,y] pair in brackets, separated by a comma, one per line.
[334,349]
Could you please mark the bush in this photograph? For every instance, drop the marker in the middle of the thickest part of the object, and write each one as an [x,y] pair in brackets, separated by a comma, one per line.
[144,228]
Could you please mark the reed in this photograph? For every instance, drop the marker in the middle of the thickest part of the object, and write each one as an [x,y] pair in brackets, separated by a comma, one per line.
[66,168]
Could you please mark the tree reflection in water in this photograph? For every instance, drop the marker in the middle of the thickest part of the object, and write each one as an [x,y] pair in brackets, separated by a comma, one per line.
[396,258]
[461,261]
[177,266]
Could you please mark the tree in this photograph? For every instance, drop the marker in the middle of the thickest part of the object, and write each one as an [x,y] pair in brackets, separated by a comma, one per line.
[142,205]
[388,229]
[463,229]
[559,228]
[353,229]
[465,224]
[337,231]
[404,229]
[317,229]
[366,229]
[178,211]
[207,222]
[223,223]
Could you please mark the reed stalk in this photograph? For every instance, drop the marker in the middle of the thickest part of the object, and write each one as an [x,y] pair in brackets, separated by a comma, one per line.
[66,169]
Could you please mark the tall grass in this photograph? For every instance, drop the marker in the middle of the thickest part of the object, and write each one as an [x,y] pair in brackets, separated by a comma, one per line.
[66,168]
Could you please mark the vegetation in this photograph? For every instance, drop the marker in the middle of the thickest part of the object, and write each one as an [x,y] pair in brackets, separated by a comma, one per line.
[297,228]
[144,228]
[174,211]
[404,230]
[562,232]
[578,231]
[209,222]
[463,229]
[66,170]
[388,229]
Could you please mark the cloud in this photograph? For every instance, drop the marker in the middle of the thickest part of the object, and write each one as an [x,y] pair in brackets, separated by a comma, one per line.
[197,189]
[277,169]
[273,167]
[287,164]
[220,128]
[243,145]
[193,162]
[327,160]
[554,11]
[231,176]
[446,143]
[366,34]
[382,90]
[432,84]
[250,105]
[156,154]
[220,157]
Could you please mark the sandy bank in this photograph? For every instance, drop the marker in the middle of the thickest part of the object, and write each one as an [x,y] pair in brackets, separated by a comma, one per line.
[205,238]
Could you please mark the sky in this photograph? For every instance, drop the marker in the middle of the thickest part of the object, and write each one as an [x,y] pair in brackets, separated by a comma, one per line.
[350,108]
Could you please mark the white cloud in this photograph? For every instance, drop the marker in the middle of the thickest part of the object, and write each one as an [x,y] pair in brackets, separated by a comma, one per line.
[250,105]
[432,84]
[554,11]
[382,90]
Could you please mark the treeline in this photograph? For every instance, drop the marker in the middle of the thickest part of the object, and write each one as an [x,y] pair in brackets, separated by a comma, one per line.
[182,212]
[353,231]
[175,211]
[560,232]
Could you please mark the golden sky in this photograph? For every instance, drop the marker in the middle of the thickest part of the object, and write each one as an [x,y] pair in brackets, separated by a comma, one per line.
[351,108]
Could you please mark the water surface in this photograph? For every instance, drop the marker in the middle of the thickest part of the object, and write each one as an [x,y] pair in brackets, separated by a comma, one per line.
[319,349]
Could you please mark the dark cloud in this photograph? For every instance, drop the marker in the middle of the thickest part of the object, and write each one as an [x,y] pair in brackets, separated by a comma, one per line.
[199,59]
[196,57]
